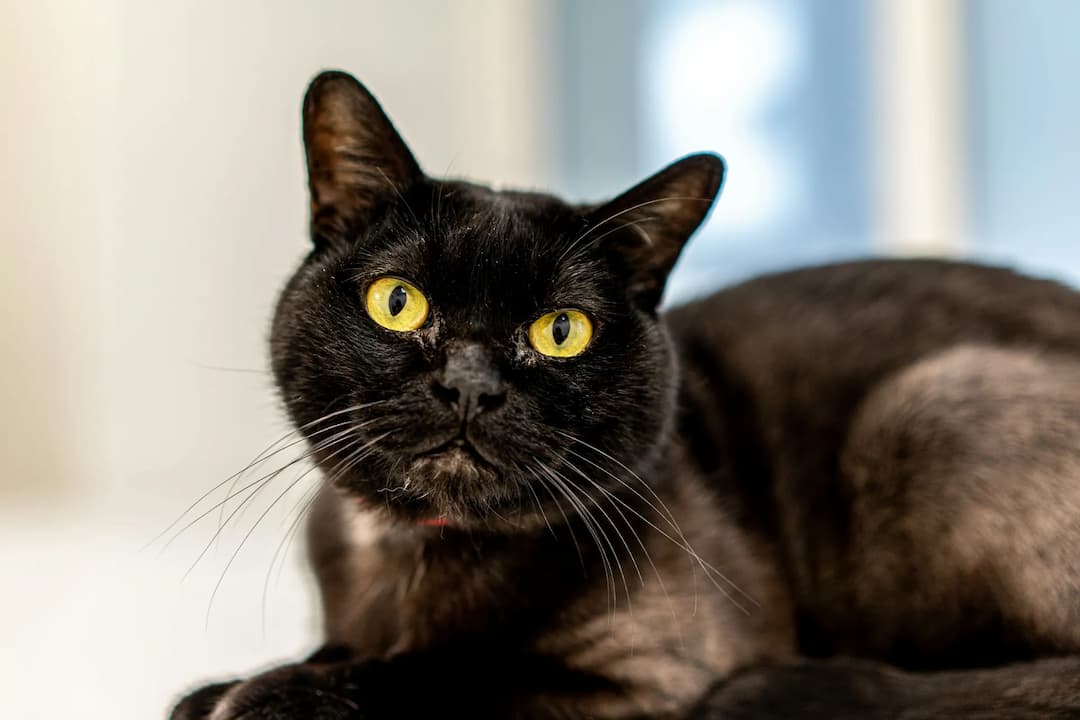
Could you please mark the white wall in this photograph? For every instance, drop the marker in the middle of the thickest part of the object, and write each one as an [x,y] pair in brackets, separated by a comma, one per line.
[152,204]
[153,197]
[921,183]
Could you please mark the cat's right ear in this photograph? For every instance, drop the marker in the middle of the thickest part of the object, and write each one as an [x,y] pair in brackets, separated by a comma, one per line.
[357,163]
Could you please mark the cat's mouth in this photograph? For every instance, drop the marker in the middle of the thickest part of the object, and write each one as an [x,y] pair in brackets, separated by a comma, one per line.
[457,452]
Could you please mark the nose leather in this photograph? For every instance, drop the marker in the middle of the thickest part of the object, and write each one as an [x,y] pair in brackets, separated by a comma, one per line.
[469,380]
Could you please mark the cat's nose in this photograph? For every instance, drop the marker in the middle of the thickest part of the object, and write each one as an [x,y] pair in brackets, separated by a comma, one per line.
[469,382]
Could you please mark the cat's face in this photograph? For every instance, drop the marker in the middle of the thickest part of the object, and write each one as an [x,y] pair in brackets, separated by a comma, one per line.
[458,353]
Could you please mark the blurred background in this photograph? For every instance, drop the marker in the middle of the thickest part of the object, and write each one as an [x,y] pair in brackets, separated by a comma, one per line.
[153,202]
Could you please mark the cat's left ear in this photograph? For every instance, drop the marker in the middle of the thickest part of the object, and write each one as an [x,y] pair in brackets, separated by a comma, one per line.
[357,162]
[646,227]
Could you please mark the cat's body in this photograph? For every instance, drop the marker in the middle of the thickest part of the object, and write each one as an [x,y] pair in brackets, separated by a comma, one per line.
[893,428]
[877,460]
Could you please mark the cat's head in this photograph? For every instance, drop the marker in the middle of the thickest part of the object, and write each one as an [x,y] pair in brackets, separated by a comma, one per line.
[474,355]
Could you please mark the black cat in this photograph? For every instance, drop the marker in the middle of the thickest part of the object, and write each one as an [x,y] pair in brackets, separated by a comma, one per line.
[842,492]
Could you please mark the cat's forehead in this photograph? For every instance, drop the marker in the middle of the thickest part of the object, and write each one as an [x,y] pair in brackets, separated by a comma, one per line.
[500,230]
[488,220]
[476,248]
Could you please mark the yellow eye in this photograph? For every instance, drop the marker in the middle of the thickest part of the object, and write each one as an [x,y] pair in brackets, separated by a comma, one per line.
[563,333]
[395,304]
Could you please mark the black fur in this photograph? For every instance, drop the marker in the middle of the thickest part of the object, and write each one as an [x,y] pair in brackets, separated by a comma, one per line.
[878,460]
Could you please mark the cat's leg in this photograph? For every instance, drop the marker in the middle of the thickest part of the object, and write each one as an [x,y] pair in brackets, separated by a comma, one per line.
[476,685]
[293,692]
[964,545]
[861,690]
[201,704]
[834,689]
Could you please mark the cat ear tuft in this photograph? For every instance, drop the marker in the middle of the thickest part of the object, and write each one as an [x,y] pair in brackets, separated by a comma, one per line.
[357,163]
[646,227]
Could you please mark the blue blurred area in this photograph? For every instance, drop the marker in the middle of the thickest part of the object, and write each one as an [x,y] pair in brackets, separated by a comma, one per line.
[1024,114]
[783,89]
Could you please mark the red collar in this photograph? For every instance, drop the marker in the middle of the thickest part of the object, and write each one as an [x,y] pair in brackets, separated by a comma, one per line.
[434,522]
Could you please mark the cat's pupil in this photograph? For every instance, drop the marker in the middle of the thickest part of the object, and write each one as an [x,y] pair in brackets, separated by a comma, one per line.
[398,298]
[560,329]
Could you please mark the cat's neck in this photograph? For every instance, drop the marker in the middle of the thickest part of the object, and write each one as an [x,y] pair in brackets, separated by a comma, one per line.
[393,585]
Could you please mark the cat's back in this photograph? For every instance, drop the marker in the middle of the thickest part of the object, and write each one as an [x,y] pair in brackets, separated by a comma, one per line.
[816,338]
[879,310]
[777,372]
[773,369]
[801,348]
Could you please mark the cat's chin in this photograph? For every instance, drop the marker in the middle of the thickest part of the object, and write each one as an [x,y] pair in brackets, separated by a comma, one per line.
[453,485]
[450,482]
[457,462]
[456,486]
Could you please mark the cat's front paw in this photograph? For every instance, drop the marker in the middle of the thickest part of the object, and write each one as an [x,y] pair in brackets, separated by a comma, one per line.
[295,692]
